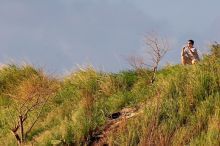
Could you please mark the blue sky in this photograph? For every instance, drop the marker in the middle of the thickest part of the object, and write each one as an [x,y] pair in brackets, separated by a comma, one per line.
[59,34]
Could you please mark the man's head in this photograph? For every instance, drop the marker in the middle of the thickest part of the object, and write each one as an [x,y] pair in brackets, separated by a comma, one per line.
[190,43]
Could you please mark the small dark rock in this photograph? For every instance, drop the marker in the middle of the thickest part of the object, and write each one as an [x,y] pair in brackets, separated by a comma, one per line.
[115,115]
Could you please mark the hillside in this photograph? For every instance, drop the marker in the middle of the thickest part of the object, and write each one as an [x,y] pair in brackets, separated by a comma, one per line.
[89,107]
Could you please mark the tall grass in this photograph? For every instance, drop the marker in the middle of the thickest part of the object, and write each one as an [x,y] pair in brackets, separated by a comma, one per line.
[180,108]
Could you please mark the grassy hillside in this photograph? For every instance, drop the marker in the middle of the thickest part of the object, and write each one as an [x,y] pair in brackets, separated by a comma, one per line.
[182,107]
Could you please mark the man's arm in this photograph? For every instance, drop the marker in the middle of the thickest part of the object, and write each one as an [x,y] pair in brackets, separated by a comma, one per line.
[183,58]
[195,53]
[182,52]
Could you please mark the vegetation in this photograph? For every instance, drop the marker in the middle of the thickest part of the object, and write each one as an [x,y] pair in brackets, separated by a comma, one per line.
[181,107]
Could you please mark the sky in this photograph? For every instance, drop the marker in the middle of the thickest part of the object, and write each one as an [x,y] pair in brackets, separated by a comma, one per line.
[60,35]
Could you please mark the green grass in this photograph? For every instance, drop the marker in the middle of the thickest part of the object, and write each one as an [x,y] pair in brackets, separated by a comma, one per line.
[180,108]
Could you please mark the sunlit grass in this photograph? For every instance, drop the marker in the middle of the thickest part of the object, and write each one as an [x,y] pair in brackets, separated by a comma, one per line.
[180,108]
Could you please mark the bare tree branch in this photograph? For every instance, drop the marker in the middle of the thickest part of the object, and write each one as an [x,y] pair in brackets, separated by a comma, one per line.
[157,47]
[38,116]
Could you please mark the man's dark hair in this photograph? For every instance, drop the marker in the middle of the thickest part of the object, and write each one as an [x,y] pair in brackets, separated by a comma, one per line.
[191,41]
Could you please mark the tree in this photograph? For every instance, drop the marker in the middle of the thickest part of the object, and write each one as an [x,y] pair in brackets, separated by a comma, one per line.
[156,48]
[28,102]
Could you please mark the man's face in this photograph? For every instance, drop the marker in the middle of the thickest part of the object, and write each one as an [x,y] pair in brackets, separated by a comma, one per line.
[189,44]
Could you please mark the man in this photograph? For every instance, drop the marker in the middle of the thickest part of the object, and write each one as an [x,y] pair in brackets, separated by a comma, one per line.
[189,54]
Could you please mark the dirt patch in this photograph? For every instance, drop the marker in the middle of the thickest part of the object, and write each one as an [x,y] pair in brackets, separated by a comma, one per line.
[113,123]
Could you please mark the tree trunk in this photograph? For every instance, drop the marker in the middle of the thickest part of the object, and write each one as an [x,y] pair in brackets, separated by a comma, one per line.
[22,128]
[154,74]
[17,137]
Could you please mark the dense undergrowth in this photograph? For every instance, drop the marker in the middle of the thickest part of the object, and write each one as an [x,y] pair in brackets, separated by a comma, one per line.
[182,107]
